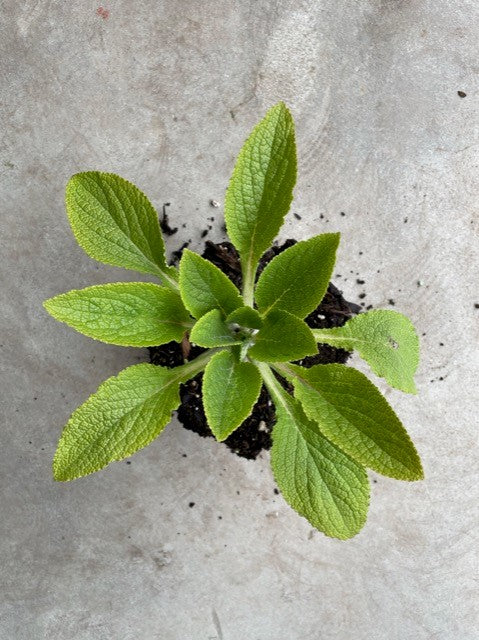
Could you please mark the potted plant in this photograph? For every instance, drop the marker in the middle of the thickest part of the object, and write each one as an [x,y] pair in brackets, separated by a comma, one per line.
[331,421]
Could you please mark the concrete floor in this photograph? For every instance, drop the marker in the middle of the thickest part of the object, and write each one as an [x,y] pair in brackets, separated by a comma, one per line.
[163,93]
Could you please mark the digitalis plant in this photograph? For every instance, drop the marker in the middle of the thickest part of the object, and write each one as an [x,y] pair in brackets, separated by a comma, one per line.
[330,428]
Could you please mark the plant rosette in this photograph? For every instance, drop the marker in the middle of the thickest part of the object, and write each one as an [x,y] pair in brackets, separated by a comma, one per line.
[332,423]
[253,436]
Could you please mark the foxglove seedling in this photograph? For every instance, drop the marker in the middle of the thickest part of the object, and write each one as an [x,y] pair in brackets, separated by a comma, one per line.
[332,422]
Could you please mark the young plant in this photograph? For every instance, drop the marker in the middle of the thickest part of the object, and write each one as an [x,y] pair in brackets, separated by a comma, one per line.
[335,422]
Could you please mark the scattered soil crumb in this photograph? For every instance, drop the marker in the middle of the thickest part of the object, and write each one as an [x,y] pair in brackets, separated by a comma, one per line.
[176,255]
[165,222]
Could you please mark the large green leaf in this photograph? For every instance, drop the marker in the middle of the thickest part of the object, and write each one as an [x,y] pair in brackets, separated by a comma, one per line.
[261,190]
[211,330]
[352,413]
[385,339]
[296,279]
[126,413]
[283,337]
[115,223]
[204,287]
[230,389]
[316,478]
[131,314]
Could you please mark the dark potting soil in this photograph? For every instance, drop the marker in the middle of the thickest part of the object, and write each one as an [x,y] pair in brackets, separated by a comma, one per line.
[254,435]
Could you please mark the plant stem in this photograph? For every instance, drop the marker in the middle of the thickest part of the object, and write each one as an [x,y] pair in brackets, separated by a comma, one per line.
[190,369]
[275,389]
[322,335]
[248,284]
[185,347]
[169,281]
[284,371]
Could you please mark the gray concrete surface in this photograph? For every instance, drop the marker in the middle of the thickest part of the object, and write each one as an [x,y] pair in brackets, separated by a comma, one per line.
[164,93]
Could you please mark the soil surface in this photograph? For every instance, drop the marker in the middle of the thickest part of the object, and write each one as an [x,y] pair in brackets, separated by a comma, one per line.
[254,434]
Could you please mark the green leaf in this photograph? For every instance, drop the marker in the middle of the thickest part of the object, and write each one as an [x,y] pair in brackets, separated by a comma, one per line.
[261,189]
[230,390]
[212,331]
[131,314]
[126,413]
[316,478]
[283,337]
[204,287]
[115,223]
[246,317]
[352,413]
[385,339]
[296,279]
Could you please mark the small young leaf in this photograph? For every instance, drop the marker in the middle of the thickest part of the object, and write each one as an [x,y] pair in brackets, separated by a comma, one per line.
[131,314]
[230,390]
[204,287]
[385,339]
[212,331]
[352,413]
[115,223]
[296,279]
[283,337]
[126,413]
[317,479]
[261,188]
[246,317]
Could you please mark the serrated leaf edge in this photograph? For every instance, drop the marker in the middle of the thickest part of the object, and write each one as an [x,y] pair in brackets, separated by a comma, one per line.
[51,312]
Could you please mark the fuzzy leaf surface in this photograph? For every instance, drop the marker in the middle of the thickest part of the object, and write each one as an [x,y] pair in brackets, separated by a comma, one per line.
[131,314]
[125,414]
[204,287]
[384,338]
[261,187]
[351,412]
[297,278]
[230,389]
[317,479]
[246,317]
[283,337]
[115,223]
[211,330]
